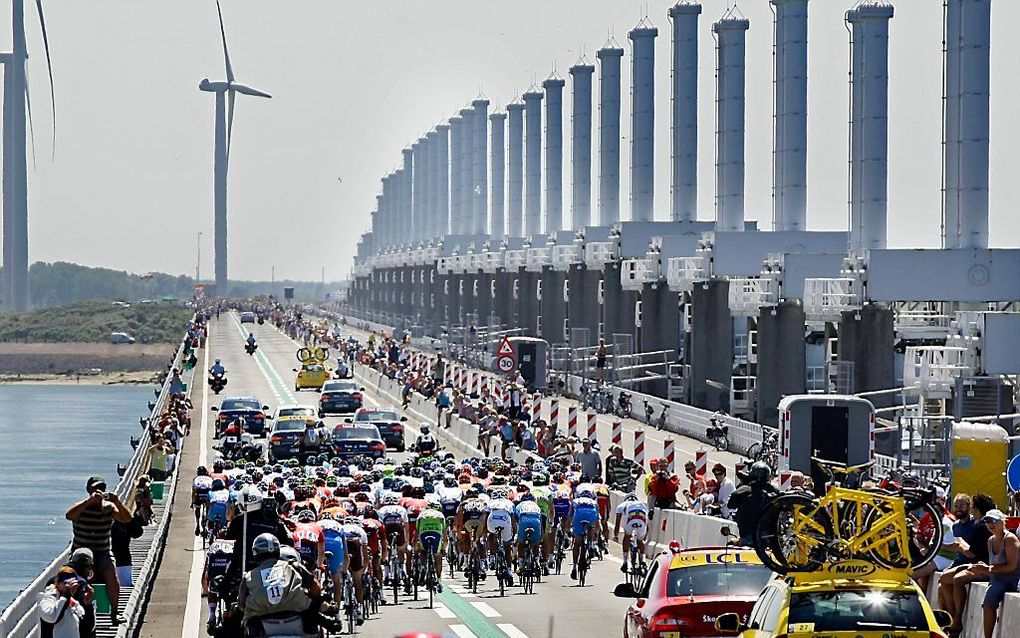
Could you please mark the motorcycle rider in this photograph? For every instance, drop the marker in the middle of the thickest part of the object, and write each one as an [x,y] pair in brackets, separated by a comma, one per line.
[249,343]
[425,443]
[311,440]
[273,587]
[262,518]
[217,370]
[750,499]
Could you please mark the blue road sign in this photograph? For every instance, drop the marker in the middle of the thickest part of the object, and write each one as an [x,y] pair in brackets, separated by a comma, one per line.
[1013,473]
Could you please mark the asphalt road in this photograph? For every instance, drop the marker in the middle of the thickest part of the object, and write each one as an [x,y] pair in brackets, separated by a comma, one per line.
[557,608]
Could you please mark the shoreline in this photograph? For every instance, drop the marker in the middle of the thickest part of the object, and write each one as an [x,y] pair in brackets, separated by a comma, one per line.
[144,377]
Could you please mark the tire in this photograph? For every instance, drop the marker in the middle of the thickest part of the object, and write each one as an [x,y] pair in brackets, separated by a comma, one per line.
[753,452]
[918,555]
[772,541]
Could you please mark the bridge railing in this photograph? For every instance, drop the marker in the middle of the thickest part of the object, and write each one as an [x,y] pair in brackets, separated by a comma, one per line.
[20,618]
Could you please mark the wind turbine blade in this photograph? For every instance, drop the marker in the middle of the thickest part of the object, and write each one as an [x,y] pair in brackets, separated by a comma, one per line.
[247,90]
[223,35]
[231,95]
[31,128]
[49,68]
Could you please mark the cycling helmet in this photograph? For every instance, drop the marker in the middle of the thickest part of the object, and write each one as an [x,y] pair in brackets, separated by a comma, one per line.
[312,460]
[265,546]
[361,497]
[631,496]
[218,484]
[326,516]
[418,492]
[760,473]
[217,466]
[202,471]
[450,480]
[391,499]
[425,428]
[217,359]
[527,496]
[289,554]
[539,479]
[471,492]
[499,494]
[306,516]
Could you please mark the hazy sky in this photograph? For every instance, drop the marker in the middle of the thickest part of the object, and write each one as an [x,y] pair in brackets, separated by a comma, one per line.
[355,81]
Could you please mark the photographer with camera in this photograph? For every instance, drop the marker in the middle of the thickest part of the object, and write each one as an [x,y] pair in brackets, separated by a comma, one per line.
[59,611]
[92,522]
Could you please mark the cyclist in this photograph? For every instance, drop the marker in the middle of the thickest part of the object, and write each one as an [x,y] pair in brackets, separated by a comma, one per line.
[584,513]
[250,341]
[377,546]
[200,488]
[311,541]
[336,546]
[357,550]
[634,515]
[272,587]
[501,527]
[219,504]
[531,526]
[470,522]
[217,561]
[431,529]
[750,499]
[394,519]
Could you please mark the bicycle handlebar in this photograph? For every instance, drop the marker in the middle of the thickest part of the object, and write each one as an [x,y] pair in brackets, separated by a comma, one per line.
[832,468]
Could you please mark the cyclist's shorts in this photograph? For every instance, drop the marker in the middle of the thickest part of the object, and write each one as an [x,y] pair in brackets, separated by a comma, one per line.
[397,531]
[473,527]
[530,523]
[430,541]
[561,507]
[505,531]
[584,516]
[217,513]
[336,561]
[638,529]
[499,518]
[603,501]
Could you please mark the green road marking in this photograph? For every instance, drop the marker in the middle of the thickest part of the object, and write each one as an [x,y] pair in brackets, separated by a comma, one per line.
[269,371]
[476,622]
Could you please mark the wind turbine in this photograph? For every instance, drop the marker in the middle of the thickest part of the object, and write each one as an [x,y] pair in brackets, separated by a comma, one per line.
[225,95]
[16,109]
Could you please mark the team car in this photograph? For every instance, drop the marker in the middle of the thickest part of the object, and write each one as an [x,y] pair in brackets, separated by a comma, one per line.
[685,592]
[390,424]
[311,376]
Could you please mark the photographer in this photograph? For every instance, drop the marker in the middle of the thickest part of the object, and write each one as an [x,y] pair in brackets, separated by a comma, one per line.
[59,612]
[92,522]
[663,486]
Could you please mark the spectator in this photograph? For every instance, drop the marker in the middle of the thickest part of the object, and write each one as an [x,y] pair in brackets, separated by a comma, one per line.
[506,435]
[528,439]
[487,424]
[725,490]
[158,459]
[621,472]
[953,583]
[143,500]
[663,486]
[91,522]
[81,563]
[1003,566]
[59,613]
[947,552]
[697,485]
[591,462]
[443,403]
[176,383]
[600,360]
[120,542]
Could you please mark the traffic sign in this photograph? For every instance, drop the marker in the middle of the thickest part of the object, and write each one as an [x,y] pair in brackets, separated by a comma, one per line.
[506,363]
[505,348]
[1013,474]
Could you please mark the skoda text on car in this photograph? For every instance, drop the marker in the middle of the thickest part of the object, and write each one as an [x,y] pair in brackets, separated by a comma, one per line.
[351,440]
[248,408]
[390,424]
[684,593]
[830,607]
[311,376]
[340,397]
[285,438]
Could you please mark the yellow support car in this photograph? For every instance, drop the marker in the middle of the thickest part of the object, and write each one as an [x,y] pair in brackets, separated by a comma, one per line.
[312,376]
[849,599]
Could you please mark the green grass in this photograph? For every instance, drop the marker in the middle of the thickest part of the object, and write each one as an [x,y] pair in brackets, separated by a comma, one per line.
[93,321]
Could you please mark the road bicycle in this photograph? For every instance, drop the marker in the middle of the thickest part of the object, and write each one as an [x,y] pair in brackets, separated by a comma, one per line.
[798,531]
[637,569]
[500,566]
[584,555]
[531,568]
[560,549]
[395,568]
[766,450]
[473,571]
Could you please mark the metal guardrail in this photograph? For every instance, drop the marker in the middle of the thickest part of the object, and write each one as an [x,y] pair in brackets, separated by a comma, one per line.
[20,618]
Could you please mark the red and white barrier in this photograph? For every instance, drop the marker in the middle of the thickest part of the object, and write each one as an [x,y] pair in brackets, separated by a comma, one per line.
[617,431]
[701,462]
[554,412]
[593,425]
[785,480]
[669,453]
[571,420]
[476,379]
[639,447]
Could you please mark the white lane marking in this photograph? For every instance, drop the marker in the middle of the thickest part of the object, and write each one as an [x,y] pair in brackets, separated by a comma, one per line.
[443,611]
[616,560]
[486,610]
[511,630]
[193,608]
[462,631]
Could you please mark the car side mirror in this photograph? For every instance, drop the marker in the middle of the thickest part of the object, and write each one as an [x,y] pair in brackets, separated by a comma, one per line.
[943,618]
[214,409]
[294,369]
[362,389]
[403,418]
[625,590]
[265,407]
[728,623]
[348,421]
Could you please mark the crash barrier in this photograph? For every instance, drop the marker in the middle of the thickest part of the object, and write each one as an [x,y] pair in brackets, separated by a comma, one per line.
[20,618]
[692,530]
[1008,624]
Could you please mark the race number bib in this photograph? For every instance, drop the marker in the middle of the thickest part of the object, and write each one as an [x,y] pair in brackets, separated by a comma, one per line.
[275,581]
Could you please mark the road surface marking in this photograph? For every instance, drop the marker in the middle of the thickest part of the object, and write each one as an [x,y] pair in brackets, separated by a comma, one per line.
[486,610]
[192,610]
[443,611]
[511,630]
[462,631]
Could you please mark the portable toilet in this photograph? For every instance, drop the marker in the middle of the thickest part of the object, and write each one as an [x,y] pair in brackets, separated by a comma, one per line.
[980,455]
[833,427]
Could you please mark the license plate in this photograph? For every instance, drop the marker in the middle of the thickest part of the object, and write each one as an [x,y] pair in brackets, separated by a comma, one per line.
[295,449]
[231,439]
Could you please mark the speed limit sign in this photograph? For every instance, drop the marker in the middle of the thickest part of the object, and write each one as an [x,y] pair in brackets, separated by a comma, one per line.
[506,363]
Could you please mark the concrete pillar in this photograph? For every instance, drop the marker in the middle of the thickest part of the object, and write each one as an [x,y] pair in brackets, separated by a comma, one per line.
[442,180]
[580,144]
[642,123]
[467,176]
[480,190]
[431,193]
[869,124]
[729,200]
[684,183]
[533,163]
[553,154]
[789,163]
[609,135]
[515,170]
[406,197]
[497,162]
[457,222]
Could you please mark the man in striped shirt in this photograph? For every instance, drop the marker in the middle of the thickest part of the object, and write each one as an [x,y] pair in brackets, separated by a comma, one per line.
[91,520]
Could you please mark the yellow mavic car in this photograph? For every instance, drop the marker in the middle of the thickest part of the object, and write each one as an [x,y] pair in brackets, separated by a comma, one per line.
[839,608]
[311,376]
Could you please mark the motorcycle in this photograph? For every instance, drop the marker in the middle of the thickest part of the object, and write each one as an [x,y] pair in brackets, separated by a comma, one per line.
[250,348]
[623,405]
[217,382]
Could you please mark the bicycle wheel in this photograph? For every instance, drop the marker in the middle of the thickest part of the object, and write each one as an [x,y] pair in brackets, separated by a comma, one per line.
[500,568]
[754,452]
[349,602]
[792,533]
[395,578]
[923,542]
[582,564]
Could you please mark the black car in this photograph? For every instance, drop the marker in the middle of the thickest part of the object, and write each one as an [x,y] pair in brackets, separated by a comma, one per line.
[390,424]
[248,408]
[351,440]
[340,397]
[285,439]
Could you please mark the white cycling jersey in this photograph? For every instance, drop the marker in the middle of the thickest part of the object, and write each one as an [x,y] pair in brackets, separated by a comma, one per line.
[393,515]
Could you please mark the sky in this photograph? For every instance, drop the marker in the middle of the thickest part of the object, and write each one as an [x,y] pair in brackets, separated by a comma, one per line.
[355,81]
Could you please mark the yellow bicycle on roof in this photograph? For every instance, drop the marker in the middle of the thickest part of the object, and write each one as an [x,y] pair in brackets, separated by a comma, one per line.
[312,355]
[799,531]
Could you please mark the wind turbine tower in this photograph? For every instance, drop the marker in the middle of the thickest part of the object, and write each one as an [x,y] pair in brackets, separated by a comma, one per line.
[225,95]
